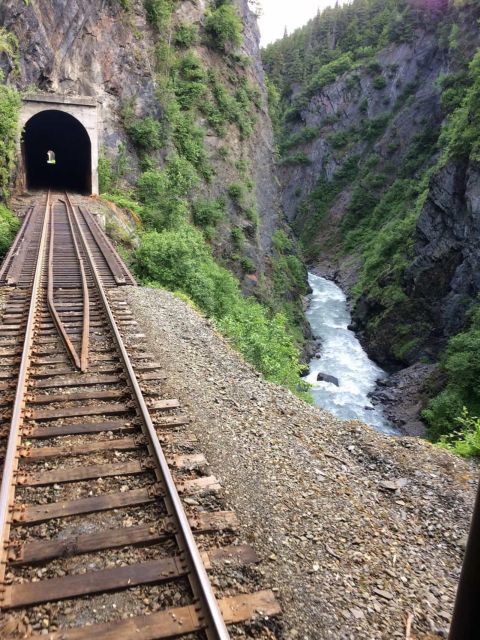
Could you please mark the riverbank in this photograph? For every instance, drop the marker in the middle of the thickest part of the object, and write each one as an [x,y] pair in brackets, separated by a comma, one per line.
[355,529]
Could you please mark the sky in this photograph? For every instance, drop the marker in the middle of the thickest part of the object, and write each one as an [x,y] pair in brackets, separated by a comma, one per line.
[278,14]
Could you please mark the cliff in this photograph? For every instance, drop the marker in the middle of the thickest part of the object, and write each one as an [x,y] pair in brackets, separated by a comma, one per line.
[114,51]
[374,99]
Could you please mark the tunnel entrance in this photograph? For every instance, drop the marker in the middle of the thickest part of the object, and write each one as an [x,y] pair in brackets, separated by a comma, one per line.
[57,153]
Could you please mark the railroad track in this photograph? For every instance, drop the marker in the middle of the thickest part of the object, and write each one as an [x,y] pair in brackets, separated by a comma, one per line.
[96,540]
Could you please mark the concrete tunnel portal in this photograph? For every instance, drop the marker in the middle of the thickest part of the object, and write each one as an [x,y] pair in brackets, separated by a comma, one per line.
[59,143]
[57,152]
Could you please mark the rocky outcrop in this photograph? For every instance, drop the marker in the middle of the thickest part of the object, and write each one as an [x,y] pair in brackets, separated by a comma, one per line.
[408,98]
[445,273]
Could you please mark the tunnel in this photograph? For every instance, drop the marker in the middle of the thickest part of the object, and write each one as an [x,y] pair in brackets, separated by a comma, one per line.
[57,153]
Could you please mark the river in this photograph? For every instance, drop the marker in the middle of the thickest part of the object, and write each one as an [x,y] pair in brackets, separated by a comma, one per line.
[341,356]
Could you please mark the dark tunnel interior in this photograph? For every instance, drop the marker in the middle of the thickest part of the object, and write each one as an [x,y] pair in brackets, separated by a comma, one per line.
[69,166]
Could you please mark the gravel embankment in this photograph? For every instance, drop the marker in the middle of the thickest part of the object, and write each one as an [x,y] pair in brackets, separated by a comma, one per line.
[356,529]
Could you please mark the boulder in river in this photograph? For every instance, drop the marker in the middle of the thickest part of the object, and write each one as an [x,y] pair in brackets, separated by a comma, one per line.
[325,377]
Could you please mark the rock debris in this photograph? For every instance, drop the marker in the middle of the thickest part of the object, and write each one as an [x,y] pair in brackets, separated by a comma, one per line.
[361,535]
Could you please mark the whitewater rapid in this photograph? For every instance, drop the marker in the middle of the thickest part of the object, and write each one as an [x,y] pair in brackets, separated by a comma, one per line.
[343,357]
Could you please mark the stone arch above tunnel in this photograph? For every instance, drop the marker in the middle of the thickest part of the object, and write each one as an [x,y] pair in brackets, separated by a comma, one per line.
[68,127]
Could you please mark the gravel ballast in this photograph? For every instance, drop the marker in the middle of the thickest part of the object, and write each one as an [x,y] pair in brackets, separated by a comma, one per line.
[357,531]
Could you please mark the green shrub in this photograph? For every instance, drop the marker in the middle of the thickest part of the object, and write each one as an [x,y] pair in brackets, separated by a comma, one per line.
[9,225]
[363,106]
[125,201]
[163,193]
[465,441]
[339,139]
[146,133]
[265,342]
[236,192]
[9,110]
[159,12]
[179,259]
[375,127]
[224,27]
[188,138]
[281,242]
[329,73]
[462,366]
[186,35]
[190,81]
[208,213]
[374,67]
[296,159]
[379,83]
[238,237]
[248,265]
[105,174]
[307,134]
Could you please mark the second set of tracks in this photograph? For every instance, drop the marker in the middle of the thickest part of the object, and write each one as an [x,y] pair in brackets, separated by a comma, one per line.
[96,539]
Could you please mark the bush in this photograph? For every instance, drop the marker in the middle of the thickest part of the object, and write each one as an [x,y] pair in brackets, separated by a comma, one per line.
[163,193]
[190,81]
[224,27]
[296,159]
[9,225]
[375,127]
[188,138]
[307,134]
[466,440]
[238,237]
[159,12]
[248,265]
[9,110]
[462,366]
[265,342]
[105,174]
[328,73]
[281,242]
[236,193]
[146,133]
[208,213]
[186,35]
[179,259]
[379,83]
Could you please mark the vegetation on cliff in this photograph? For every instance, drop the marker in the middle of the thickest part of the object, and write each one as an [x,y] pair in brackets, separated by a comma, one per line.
[373,171]
[9,111]
[181,220]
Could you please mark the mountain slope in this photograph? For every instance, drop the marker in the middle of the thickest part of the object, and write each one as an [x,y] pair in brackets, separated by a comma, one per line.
[377,134]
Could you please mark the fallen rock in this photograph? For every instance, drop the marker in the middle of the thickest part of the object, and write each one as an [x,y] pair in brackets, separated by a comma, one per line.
[325,377]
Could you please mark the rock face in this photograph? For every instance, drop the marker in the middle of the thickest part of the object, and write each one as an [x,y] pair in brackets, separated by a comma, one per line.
[349,101]
[446,270]
[97,48]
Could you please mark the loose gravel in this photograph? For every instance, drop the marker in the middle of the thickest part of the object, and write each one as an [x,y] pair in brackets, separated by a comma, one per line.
[356,530]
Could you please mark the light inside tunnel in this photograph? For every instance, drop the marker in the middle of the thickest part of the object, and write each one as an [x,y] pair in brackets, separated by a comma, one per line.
[62,140]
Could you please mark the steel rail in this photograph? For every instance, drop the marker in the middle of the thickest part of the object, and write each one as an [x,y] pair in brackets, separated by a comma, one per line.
[86,297]
[17,244]
[11,458]
[92,222]
[80,361]
[215,627]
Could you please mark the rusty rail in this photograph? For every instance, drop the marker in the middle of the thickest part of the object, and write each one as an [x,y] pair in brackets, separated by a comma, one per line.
[55,399]
[200,583]
[11,458]
[81,361]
